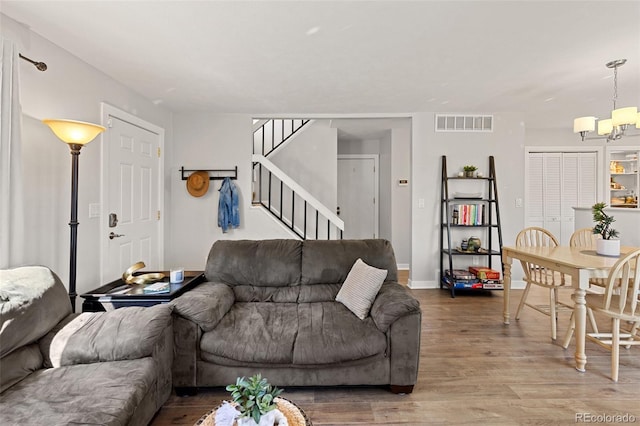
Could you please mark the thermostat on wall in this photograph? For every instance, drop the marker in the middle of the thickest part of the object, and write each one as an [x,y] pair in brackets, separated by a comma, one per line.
[403,182]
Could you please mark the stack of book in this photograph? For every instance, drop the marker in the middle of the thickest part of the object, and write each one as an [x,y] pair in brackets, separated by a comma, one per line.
[489,278]
[468,214]
[461,279]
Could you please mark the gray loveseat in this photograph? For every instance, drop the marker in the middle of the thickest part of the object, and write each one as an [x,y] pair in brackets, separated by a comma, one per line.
[269,307]
[59,368]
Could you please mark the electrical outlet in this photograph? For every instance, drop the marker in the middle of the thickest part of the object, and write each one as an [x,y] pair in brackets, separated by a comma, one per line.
[476,260]
[518,202]
[421,203]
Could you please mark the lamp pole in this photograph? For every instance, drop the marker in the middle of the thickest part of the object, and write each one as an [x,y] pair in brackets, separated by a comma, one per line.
[75,134]
[73,223]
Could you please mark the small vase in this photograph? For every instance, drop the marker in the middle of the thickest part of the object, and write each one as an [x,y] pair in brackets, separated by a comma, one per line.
[608,247]
[468,174]
[473,244]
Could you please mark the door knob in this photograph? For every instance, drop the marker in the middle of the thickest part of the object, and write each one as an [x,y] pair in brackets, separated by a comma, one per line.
[113,235]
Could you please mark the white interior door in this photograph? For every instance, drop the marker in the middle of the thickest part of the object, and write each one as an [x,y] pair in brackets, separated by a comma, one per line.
[132,197]
[358,195]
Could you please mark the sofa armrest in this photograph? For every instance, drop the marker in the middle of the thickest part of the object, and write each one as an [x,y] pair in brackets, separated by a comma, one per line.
[205,305]
[392,302]
[122,334]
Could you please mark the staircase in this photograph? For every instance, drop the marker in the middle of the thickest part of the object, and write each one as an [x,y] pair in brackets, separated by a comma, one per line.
[287,201]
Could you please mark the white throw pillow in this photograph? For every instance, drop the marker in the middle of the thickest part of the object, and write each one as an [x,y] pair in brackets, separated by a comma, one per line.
[361,287]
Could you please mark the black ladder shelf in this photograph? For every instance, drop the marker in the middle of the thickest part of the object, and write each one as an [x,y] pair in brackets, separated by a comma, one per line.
[487,224]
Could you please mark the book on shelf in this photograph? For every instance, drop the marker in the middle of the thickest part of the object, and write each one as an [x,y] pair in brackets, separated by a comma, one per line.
[485,273]
[492,284]
[468,214]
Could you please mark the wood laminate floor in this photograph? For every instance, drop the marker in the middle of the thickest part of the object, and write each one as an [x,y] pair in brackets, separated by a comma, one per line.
[473,370]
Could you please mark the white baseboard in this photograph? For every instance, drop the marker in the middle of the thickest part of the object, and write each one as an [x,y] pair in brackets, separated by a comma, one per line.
[403,266]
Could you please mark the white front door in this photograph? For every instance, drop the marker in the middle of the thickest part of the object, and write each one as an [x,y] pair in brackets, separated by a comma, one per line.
[358,195]
[132,225]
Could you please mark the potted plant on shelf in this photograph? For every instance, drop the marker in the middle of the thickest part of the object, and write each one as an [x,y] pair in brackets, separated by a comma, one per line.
[608,245]
[254,399]
[468,170]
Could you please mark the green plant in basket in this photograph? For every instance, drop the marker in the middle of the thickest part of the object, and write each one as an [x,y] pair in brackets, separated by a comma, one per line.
[254,396]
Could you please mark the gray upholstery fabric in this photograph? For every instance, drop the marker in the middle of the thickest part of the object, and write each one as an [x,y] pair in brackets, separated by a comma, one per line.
[329,262]
[126,333]
[287,325]
[186,347]
[251,293]
[206,304]
[329,333]
[85,394]
[274,263]
[393,302]
[255,332]
[318,293]
[29,295]
[19,364]
[405,350]
[100,390]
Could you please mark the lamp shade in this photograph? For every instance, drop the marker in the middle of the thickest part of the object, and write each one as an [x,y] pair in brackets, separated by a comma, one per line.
[74,132]
[584,124]
[605,127]
[622,116]
[638,121]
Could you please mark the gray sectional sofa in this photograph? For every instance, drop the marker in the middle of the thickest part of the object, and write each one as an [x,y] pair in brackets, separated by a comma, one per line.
[59,368]
[269,307]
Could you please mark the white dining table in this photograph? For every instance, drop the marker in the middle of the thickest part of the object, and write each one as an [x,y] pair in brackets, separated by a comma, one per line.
[579,263]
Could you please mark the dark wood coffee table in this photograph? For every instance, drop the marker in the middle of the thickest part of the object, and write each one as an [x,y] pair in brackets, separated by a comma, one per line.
[117,294]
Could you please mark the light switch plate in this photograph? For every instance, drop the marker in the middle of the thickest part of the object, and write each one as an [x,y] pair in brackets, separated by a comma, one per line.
[94,210]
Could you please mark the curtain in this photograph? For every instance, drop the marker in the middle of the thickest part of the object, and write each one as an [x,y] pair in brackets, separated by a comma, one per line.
[11,200]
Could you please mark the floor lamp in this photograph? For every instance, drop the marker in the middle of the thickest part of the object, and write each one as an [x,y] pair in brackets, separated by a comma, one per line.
[76,134]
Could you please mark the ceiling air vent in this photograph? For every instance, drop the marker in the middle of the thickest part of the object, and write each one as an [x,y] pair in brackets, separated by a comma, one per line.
[464,123]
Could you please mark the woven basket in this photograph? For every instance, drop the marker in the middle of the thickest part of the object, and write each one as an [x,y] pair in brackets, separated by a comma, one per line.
[295,416]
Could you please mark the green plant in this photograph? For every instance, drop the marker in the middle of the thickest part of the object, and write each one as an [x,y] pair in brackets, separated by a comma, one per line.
[603,222]
[254,396]
[470,168]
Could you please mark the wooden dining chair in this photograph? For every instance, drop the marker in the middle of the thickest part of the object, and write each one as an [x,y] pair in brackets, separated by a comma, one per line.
[620,303]
[541,276]
[583,237]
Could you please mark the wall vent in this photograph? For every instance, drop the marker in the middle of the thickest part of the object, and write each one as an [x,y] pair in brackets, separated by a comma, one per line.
[464,123]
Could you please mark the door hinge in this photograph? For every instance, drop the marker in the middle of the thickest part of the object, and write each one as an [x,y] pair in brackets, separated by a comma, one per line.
[158,214]
[109,123]
[158,152]
[374,200]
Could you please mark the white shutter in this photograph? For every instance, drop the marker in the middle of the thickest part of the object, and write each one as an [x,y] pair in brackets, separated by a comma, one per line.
[535,190]
[553,192]
[587,179]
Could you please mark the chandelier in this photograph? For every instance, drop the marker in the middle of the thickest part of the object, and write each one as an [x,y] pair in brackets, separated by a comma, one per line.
[621,118]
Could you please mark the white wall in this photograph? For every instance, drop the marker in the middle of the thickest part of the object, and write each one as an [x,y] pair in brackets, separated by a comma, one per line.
[211,141]
[310,159]
[394,150]
[505,143]
[68,89]
[401,195]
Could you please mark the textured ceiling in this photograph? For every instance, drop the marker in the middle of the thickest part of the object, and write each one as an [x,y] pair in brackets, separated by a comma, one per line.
[542,59]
